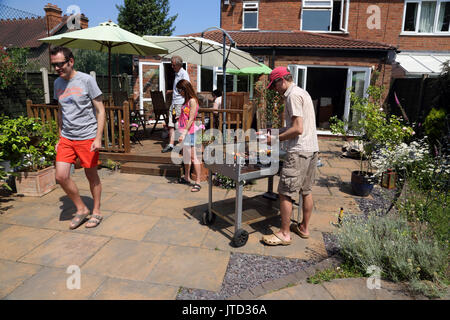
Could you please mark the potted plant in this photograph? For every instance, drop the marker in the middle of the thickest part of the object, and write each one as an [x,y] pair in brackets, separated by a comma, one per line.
[373,129]
[29,146]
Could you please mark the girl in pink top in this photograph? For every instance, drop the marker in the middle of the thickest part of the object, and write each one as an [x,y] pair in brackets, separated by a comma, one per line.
[187,129]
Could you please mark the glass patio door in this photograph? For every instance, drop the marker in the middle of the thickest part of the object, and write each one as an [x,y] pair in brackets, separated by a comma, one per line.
[358,80]
[151,78]
[299,75]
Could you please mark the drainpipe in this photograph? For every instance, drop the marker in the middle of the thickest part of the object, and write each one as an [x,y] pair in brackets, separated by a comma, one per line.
[272,63]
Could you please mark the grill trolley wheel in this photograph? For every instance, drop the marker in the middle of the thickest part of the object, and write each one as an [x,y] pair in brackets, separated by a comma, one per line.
[240,238]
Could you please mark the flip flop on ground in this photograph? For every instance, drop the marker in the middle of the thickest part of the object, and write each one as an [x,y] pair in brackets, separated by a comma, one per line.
[196,188]
[77,220]
[296,229]
[95,220]
[274,240]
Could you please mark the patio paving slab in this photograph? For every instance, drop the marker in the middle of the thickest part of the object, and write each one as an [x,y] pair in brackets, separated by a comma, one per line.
[126,226]
[13,274]
[220,239]
[191,268]
[306,249]
[51,284]
[348,163]
[174,231]
[127,202]
[16,241]
[65,249]
[61,222]
[117,289]
[171,208]
[166,191]
[118,186]
[303,291]
[125,259]
[341,173]
[31,216]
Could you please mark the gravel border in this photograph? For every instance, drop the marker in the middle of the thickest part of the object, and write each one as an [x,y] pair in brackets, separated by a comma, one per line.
[247,271]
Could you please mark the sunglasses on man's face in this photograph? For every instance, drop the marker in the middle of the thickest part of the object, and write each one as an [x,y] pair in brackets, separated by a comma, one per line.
[59,64]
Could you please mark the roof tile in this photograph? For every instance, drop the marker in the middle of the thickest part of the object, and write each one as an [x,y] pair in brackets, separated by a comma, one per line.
[293,39]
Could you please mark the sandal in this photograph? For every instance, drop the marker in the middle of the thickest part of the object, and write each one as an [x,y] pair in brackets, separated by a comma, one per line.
[77,220]
[196,188]
[295,228]
[95,219]
[274,240]
[182,180]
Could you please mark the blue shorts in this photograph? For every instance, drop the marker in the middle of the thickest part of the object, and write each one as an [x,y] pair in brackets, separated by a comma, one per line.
[189,140]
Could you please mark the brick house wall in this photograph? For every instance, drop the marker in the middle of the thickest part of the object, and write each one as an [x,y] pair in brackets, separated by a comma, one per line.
[286,14]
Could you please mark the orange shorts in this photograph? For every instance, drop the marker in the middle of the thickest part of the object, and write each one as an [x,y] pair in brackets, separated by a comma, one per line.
[69,150]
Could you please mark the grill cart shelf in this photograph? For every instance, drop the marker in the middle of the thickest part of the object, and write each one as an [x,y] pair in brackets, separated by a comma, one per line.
[258,208]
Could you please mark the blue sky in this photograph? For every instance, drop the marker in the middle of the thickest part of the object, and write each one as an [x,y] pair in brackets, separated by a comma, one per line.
[193,16]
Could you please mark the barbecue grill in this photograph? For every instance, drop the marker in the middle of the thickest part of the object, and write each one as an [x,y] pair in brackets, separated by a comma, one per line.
[245,167]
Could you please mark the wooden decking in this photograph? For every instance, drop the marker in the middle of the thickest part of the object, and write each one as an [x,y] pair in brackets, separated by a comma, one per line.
[146,156]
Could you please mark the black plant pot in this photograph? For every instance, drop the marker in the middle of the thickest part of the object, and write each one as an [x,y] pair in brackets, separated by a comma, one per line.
[362,183]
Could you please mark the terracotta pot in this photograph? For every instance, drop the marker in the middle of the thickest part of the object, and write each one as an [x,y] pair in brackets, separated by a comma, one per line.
[36,184]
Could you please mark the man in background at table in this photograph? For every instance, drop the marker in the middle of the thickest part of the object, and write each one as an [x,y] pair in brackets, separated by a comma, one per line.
[177,100]
[81,119]
[299,168]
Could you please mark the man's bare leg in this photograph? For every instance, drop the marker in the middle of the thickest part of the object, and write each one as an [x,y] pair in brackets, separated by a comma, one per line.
[171,136]
[308,205]
[96,190]
[285,212]
[64,180]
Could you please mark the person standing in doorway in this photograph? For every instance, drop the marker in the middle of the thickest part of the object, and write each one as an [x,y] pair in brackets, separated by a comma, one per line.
[81,118]
[177,100]
[299,169]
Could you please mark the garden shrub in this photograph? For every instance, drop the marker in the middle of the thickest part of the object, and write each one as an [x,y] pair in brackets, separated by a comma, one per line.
[392,244]
[28,144]
[434,125]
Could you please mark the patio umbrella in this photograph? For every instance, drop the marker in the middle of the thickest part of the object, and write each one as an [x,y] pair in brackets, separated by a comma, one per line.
[205,52]
[250,71]
[107,37]
[201,51]
[261,69]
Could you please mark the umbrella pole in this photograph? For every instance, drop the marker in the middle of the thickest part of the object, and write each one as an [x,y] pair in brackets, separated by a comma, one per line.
[224,95]
[109,72]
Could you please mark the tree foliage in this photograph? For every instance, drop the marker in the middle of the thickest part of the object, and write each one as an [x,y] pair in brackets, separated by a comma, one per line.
[13,62]
[146,17]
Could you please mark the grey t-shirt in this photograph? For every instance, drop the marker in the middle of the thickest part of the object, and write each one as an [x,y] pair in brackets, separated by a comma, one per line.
[79,121]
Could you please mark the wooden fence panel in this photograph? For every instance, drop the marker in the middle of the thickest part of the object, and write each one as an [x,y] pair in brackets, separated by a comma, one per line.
[116,135]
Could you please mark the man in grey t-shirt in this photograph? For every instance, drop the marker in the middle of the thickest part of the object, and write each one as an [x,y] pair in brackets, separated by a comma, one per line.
[81,118]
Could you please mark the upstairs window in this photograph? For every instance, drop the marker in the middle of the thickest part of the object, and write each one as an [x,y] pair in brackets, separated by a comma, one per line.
[325,15]
[426,17]
[250,15]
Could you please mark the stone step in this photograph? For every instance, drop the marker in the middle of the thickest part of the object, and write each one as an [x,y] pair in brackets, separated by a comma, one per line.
[152,169]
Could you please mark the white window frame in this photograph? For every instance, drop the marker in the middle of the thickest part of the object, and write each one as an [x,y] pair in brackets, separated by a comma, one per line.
[316,5]
[293,68]
[436,18]
[162,84]
[250,5]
